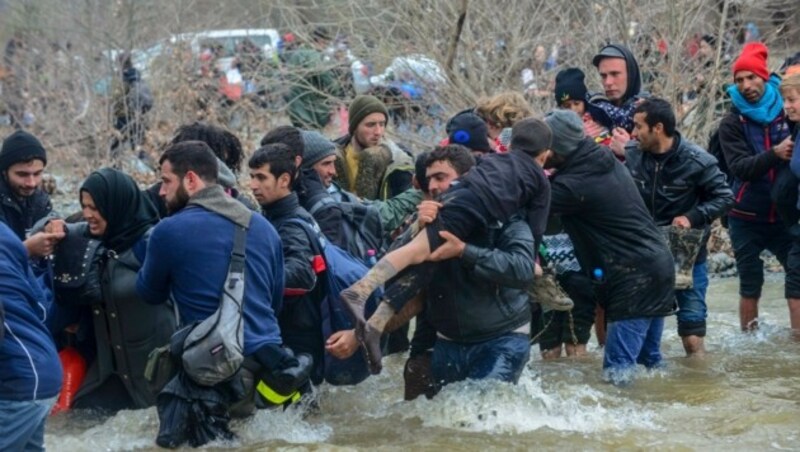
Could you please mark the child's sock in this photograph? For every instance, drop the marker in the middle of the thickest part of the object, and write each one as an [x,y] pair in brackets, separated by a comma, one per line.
[355,296]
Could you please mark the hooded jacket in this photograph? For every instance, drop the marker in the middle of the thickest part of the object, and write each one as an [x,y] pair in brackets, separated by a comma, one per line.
[622,115]
[29,364]
[612,230]
[381,183]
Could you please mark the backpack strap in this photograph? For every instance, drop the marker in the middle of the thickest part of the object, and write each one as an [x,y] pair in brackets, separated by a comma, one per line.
[320,204]
[238,254]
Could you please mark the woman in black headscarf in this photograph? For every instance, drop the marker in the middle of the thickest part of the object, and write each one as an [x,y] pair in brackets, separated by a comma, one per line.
[126,329]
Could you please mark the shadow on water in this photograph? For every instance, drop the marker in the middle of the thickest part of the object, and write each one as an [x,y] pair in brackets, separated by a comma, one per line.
[744,395]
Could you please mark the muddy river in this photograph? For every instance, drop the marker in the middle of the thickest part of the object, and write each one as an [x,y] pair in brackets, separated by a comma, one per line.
[745,395]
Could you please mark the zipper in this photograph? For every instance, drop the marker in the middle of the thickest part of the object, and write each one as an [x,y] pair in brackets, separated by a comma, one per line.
[655,186]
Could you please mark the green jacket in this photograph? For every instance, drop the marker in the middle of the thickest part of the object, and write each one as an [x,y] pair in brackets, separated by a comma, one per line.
[313,84]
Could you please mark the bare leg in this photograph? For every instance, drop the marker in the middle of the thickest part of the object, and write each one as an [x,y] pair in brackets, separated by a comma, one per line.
[576,350]
[553,353]
[694,345]
[355,297]
[794,317]
[748,313]
[600,325]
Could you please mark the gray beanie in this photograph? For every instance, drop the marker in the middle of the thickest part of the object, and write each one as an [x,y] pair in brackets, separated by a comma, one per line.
[567,130]
[315,147]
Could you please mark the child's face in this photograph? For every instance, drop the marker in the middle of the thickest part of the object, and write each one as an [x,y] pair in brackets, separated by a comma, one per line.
[791,103]
[577,106]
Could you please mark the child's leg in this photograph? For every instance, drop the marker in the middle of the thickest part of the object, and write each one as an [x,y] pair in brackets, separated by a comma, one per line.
[355,296]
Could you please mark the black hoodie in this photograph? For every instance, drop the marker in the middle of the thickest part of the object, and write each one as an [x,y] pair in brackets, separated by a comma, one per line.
[622,115]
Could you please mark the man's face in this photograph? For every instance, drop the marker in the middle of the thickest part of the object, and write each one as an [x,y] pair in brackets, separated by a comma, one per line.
[370,130]
[267,188]
[578,106]
[705,50]
[791,103]
[749,85]
[647,137]
[172,189]
[326,169]
[24,178]
[614,74]
[440,175]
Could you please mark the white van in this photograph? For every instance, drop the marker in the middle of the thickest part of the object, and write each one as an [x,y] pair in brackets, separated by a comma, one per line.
[267,39]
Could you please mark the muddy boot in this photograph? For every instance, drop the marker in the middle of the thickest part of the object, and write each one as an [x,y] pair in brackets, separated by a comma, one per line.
[370,335]
[546,291]
[354,298]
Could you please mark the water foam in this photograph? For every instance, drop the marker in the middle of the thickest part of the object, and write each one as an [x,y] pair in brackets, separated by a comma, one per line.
[494,407]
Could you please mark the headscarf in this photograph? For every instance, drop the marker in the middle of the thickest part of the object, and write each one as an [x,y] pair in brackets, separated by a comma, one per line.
[128,212]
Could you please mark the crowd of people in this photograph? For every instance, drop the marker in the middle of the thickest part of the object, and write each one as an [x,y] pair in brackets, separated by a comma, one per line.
[519,227]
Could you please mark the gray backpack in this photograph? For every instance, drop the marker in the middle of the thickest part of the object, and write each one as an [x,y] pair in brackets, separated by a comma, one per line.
[213,350]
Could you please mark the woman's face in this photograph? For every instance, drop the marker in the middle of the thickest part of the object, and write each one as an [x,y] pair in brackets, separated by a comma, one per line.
[97,224]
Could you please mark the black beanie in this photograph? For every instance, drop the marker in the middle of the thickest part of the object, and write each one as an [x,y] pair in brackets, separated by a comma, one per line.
[468,129]
[19,147]
[570,85]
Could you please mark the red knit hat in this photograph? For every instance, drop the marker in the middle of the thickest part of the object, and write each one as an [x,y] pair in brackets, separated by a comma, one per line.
[754,59]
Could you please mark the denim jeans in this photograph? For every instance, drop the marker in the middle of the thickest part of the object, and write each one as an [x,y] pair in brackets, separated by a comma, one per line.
[502,358]
[630,342]
[692,308]
[22,424]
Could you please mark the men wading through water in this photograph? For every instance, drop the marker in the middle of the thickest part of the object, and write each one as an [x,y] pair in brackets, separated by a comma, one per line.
[682,185]
[614,234]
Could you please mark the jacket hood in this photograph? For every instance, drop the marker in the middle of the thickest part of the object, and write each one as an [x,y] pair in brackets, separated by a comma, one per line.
[634,74]
[590,158]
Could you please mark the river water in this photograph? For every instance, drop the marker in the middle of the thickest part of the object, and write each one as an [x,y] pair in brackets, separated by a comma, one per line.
[745,395]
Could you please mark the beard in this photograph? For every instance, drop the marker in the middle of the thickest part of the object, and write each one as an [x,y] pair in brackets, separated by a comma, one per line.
[179,202]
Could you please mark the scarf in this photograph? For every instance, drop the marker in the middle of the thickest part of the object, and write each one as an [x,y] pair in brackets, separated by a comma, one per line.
[766,109]
[127,210]
[213,198]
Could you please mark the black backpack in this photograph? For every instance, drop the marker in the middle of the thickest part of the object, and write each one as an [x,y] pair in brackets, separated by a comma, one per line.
[715,149]
[361,229]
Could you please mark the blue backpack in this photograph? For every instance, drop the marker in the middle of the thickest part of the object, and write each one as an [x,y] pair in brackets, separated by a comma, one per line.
[338,270]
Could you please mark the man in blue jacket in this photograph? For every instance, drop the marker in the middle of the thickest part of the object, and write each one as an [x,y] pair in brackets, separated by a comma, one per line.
[189,252]
[30,371]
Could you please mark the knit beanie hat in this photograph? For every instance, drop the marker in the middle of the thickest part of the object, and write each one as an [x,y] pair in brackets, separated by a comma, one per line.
[21,146]
[570,85]
[316,147]
[754,59]
[468,129]
[363,106]
[530,135]
[567,130]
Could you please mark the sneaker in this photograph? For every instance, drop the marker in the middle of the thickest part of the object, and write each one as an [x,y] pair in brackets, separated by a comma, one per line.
[546,291]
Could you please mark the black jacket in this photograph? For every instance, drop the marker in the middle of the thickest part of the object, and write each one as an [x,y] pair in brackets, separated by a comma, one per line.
[604,215]
[300,320]
[126,330]
[21,215]
[481,295]
[748,150]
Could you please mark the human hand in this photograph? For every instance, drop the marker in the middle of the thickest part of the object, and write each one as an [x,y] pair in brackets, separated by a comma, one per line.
[342,344]
[784,149]
[682,222]
[537,270]
[427,211]
[56,227]
[41,244]
[451,248]
[619,138]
